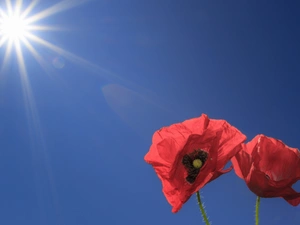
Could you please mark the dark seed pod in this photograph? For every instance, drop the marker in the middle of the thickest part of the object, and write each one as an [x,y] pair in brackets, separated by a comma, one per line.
[188,160]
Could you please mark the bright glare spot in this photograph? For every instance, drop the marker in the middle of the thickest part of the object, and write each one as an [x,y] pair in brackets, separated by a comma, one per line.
[18,28]
[14,25]
[13,28]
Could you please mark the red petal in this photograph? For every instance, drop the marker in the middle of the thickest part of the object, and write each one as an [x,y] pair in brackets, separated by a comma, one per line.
[174,136]
[229,144]
[216,174]
[273,156]
[258,184]
[294,201]
[182,130]
[291,196]
[242,162]
[197,125]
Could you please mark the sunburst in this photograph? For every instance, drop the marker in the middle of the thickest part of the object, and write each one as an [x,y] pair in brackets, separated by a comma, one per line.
[13,26]
[18,26]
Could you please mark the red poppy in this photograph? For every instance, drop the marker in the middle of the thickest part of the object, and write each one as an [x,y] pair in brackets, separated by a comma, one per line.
[269,168]
[188,155]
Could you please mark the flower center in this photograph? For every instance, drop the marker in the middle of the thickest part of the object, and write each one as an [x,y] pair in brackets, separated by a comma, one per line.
[193,162]
[197,163]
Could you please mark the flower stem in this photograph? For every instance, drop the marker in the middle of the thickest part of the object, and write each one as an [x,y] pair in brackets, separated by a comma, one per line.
[202,209]
[256,210]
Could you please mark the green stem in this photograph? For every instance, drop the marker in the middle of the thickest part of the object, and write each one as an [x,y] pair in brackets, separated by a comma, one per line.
[202,209]
[257,210]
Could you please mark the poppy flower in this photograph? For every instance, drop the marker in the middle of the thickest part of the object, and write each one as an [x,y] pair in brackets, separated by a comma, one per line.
[269,168]
[188,155]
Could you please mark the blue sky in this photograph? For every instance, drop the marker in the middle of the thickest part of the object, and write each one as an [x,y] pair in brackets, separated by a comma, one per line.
[72,143]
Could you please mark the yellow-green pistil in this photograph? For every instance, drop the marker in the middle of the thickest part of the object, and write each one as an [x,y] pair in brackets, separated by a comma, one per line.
[197,163]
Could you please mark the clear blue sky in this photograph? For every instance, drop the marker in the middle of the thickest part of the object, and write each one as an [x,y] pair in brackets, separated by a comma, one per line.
[72,143]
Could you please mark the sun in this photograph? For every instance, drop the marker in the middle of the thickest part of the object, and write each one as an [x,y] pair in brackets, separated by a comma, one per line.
[19,25]
[13,27]
[14,24]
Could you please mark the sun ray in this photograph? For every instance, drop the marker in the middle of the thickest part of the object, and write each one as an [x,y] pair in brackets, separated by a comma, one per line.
[6,55]
[44,28]
[9,7]
[2,14]
[37,56]
[65,53]
[72,57]
[59,7]
[18,7]
[29,8]
[39,151]
[3,41]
